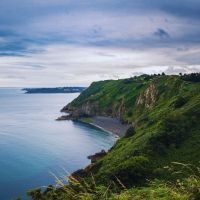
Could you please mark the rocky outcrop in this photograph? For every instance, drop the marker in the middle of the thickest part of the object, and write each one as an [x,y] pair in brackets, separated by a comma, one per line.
[87,109]
[81,173]
[63,117]
[94,158]
[148,97]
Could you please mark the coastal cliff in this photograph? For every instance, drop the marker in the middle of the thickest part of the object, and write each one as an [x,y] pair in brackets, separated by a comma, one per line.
[120,99]
[163,113]
[126,100]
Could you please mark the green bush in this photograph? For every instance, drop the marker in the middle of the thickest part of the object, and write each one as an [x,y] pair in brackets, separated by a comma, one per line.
[130,132]
[133,171]
[180,102]
[174,130]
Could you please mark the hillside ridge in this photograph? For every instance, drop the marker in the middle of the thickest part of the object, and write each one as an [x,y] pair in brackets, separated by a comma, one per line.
[163,111]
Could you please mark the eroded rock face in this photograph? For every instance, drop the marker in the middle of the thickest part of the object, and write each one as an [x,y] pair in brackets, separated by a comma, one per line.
[120,111]
[148,97]
[87,109]
[94,158]
[63,117]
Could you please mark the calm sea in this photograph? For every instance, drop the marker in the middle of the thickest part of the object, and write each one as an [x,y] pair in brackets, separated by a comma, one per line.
[33,146]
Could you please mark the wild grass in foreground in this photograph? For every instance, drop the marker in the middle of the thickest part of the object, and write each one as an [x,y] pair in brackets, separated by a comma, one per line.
[181,189]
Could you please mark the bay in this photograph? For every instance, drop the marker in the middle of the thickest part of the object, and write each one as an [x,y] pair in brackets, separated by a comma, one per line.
[34,147]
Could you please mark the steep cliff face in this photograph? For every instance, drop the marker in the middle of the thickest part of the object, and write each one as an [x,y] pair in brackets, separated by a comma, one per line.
[120,99]
[87,109]
[120,110]
[148,97]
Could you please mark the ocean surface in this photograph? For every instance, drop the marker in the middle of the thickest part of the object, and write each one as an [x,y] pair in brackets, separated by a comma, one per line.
[34,147]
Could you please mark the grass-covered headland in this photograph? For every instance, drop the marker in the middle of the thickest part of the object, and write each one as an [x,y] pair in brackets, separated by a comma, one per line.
[159,156]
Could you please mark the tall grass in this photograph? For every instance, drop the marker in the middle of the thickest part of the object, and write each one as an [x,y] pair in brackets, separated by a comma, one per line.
[187,188]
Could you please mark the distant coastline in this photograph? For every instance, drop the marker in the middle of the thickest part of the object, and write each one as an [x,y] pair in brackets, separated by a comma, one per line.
[54,90]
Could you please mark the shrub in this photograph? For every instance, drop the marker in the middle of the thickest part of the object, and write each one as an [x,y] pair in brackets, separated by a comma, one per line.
[133,171]
[180,102]
[174,130]
[130,132]
[129,113]
[193,77]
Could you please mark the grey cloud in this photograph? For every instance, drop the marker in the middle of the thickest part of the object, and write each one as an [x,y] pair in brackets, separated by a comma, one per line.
[161,33]
[105,54]
[34,66]
[109,38]
[14,77]
[78,25]
[190,58]
[175,70]
[182,49]
[182,69]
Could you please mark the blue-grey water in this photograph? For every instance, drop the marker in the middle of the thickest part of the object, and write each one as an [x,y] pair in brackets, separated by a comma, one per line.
[33,146]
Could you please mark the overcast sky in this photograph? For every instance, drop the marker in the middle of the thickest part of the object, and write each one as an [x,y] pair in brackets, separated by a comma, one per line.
[75,42]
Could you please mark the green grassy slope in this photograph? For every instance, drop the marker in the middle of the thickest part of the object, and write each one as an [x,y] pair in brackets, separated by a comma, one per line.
[166,121]
[165,111]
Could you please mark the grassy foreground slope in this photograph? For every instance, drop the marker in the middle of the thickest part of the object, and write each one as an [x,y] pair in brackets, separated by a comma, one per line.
[164,112]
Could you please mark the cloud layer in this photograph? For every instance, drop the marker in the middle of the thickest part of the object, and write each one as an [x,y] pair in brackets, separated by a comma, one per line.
[74,42]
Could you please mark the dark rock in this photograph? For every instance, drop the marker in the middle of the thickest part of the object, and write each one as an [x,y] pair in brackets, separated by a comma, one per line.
[63,117]
[94,158]
[81,173]
[78,174]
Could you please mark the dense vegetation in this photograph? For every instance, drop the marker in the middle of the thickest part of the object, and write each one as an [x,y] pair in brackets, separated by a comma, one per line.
[194,77]
[164,112]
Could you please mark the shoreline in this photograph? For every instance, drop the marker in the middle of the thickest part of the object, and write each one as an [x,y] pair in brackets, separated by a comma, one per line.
[99,127]
[80,173]
[107,124]
[93,121]
[111,125]
[103,129]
